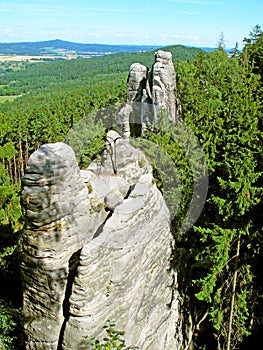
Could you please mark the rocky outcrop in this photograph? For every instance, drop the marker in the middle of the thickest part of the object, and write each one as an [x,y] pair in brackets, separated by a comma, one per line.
[147,92]
[97,246]
[60,220]
[164,84]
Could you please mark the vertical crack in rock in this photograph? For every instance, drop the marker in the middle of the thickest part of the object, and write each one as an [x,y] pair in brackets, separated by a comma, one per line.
[112,152]
[73,265]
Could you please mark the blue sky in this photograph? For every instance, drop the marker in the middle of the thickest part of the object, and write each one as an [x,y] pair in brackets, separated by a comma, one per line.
[153,22]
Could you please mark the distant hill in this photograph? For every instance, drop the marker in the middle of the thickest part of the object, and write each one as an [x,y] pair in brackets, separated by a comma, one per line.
[61,47]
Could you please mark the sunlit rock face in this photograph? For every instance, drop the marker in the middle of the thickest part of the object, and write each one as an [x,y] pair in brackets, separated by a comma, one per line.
[59,221]
[97,246]
[164,83]
[148,92]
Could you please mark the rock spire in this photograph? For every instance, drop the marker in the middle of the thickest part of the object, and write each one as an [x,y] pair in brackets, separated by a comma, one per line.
[147,93]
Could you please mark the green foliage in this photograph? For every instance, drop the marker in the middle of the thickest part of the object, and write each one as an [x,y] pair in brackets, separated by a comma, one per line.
[10,213]
[219,256]
[221,103]
[10,312]
[10,210]
[253,50]
[167,153]
[87,139]
[112,340]
[9,319]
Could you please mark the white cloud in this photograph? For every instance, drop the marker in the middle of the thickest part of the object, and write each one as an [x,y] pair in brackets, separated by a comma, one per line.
[8,31]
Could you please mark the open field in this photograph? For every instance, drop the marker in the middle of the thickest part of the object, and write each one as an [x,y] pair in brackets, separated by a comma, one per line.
[42,58]
[8,98]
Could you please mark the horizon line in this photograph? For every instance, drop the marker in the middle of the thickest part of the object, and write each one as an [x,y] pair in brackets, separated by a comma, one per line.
[106,44]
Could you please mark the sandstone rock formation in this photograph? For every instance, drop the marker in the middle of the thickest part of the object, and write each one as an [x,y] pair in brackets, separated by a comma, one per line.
[97,246]
[59,220]
[164,84]
[147,92]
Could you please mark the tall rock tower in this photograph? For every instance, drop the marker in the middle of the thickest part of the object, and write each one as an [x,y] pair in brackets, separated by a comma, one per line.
[147,93]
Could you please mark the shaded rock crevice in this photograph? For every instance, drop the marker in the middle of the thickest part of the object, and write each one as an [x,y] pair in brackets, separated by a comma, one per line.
[72,271]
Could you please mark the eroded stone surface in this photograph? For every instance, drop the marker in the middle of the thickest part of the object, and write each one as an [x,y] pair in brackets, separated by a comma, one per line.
[164,83]
[97,246]
[120,159]
[59,221]
[123,274]
[147,93]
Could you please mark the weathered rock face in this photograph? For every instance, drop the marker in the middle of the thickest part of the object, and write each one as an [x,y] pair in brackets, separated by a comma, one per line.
[164,83]
[136,82]
[97,246]
[147,92]
[59,221]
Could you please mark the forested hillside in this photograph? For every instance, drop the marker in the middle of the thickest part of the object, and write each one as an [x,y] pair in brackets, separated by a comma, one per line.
[221,102]
[57,47]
